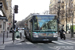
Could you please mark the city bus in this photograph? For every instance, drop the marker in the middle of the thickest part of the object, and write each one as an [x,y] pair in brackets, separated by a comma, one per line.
[41,28]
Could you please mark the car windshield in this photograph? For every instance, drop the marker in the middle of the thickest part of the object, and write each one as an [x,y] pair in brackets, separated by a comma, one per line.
[45,23]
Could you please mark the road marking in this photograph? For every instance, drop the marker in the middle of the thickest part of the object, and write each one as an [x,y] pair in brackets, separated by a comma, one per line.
[2,46]
[66,42]
[28,43]
[57,42]
[19,44]
[8,42]
[71,42]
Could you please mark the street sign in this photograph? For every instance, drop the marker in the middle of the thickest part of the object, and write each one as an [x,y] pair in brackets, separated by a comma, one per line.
[9,24]
[1,5]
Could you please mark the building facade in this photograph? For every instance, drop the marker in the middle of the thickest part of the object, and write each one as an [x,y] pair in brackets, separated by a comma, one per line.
[65,9]
[7,13]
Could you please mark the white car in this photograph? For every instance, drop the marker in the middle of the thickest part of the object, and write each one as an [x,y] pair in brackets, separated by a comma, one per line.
[21,30]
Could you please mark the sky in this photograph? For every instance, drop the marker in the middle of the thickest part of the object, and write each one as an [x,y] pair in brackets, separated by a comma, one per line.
[25,7]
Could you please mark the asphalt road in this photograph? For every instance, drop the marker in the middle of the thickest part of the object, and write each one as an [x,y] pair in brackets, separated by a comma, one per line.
[67,44]
[55,45]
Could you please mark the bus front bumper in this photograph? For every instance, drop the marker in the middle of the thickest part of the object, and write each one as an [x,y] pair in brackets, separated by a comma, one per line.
[45,39]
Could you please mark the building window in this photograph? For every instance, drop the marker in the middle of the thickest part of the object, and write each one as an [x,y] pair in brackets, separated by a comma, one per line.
[71,0]
[62,6]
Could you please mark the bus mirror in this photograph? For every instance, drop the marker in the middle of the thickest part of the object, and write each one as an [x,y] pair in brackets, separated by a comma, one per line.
[33,17]
[35,20]
[31,20]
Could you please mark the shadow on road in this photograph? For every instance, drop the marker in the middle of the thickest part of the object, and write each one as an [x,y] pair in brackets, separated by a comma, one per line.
[35,42]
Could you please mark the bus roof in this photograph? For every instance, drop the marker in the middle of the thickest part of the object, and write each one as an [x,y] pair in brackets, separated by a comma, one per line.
[43,14]
[31,15]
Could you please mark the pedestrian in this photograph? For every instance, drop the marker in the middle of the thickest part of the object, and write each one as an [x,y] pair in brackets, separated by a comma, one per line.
[17,34]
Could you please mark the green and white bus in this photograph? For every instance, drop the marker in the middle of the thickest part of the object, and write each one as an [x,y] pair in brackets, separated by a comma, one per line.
[41,27]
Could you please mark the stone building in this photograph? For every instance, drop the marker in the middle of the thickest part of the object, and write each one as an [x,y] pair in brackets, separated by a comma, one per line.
[7,14]
[66,11]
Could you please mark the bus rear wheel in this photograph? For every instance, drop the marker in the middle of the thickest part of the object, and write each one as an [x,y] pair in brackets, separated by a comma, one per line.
[26,36]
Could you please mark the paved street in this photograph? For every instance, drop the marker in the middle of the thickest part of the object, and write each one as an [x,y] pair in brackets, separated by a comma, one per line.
[55,45]
[68,44]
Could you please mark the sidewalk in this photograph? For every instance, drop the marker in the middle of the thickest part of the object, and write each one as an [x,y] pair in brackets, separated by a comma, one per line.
[68,36]
[5,37]
[7,41]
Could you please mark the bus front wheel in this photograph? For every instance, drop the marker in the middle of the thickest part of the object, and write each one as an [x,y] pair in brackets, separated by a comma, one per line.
[50,41]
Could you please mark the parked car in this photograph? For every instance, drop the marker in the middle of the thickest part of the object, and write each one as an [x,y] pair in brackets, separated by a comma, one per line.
[21,30]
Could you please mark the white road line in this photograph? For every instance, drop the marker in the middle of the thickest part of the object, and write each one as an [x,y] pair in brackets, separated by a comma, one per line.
[2,47]
[28,43]
[18,43]
[71,42]
[66,42]
[8,42]
[57,42]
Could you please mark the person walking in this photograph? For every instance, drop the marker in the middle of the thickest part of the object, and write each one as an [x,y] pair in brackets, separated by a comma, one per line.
[17,34]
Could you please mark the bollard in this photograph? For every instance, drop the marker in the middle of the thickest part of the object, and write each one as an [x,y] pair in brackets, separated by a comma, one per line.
[3,37]
[13,35]
[7,34]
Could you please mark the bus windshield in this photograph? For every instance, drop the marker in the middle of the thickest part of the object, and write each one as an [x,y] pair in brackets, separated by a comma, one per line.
[45,23]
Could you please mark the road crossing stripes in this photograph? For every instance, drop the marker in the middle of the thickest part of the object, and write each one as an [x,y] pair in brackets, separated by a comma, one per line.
[64,42]
[72,42]
[57,42]
[60,42]
[2,46]
[28,43]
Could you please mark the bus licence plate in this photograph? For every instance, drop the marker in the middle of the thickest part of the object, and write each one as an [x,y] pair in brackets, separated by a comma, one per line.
[45,39]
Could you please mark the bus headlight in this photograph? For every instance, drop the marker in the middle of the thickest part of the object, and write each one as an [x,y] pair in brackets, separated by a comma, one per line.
[55,35]
[35,35]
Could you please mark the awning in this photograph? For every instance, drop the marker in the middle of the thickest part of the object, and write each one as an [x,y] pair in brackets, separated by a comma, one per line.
[3,18]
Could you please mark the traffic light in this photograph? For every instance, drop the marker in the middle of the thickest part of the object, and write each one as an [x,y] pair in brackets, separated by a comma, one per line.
[1,5]
[15,21]
[16,9]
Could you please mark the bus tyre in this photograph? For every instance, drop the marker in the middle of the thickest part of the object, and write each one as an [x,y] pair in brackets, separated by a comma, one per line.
[50,41]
